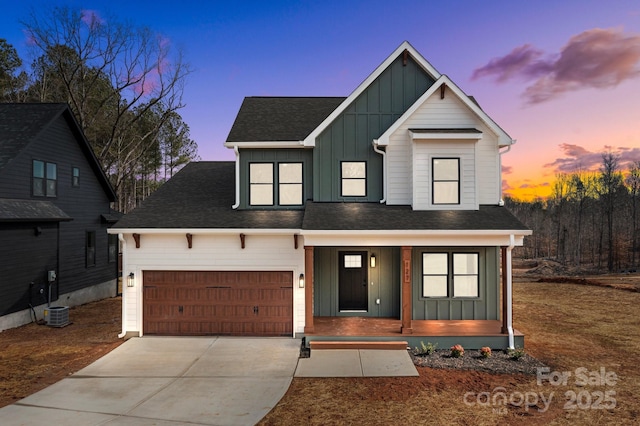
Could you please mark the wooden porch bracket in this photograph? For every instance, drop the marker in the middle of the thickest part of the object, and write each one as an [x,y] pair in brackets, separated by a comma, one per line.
[136,238]
[242,236]
[295,241]
[308,289]
[190,240]
[407,296]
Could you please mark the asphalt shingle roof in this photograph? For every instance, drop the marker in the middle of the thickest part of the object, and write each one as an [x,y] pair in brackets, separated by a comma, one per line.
[12,210]
[202,193]
[20,124]
[263,119]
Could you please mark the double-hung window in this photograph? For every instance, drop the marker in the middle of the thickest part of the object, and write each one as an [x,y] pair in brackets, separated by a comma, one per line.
[44,179]
[290,184]
[261,184]
[446,180]
[445,274]
[75,177]
[354,178]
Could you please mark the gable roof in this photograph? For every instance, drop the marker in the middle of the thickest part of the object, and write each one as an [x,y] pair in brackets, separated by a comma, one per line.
[405,46]
[200,195]
[503,138]
[279,119]
[22,123]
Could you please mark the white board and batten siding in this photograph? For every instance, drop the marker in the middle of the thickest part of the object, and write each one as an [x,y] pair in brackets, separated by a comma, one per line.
[210,252]
[409,160]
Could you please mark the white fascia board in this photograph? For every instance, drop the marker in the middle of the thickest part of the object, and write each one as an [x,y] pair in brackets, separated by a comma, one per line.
[446,135]
[203,231]
[310,141]
[414,238]
[503,138]
[266,144]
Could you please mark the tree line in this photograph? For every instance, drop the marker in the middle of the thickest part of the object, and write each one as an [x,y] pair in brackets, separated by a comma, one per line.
[124,84]
[590,220]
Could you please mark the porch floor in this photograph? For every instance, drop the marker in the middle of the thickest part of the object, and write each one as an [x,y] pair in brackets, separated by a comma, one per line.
[474,332]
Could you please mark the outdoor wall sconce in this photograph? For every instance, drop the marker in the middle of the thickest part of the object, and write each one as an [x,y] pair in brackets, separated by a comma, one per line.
[131,280]
[373,260]
[301,281]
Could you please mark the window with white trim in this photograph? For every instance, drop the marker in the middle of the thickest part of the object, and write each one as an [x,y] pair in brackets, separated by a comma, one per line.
[261,184]
[446,180]
[290,184]
[353,178]
[450,273]
[353,261]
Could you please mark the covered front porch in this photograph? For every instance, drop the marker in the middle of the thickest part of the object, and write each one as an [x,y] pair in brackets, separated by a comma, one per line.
[471,334]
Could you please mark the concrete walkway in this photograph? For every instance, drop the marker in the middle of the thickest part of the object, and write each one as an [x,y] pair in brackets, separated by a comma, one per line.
[192,380]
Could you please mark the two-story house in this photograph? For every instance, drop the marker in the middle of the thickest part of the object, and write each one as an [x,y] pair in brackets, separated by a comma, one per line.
[54,213]
[377,215]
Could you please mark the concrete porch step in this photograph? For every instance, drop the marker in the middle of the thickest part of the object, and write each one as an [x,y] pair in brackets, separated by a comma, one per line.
[345,344]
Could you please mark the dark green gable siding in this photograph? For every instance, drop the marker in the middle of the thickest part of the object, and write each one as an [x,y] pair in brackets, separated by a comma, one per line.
[276,156]
[350,136]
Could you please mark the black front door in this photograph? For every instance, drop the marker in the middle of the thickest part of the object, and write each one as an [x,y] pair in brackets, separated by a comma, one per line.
[353,293]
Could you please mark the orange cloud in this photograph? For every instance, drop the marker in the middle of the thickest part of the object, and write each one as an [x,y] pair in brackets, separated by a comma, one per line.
[597,58]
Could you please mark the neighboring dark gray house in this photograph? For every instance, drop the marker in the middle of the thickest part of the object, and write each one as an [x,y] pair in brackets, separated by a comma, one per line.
[372,217]
[54,214]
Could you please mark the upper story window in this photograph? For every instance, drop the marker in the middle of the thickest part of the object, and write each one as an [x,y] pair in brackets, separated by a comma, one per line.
[450,273]
[446,180]
[290,184]
[261,184]
[44,179]
[354,178]
[75,177]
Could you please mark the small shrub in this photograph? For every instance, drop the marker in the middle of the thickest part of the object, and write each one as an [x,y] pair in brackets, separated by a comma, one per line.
[427,349]
[457,351]
[516,353]
[485,351]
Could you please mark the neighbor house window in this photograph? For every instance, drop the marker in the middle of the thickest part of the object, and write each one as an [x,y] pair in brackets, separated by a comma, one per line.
[45,179]
[261,184]
[465,274]
[354,179]
[450,273]
[112,249]
[290,184]
[75,177]
[91,248]
[446,180]
[435,274]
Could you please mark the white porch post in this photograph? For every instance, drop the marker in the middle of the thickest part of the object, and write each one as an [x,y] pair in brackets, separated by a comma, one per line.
[509,295]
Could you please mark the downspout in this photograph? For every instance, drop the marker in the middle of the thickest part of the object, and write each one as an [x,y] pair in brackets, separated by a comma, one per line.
[124,286]
[513,142]
[509,294]
[384,170]
[237,152]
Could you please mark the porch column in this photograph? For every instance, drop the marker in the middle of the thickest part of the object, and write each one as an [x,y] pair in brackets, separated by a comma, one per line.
[308,289]
[505,329]
[407,297]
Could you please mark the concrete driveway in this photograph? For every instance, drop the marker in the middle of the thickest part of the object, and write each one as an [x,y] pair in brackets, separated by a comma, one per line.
[168,381]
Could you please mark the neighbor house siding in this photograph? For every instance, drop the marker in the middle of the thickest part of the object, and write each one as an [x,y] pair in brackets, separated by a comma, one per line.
[349,137]
[169,252]
[484,307]
[438,113]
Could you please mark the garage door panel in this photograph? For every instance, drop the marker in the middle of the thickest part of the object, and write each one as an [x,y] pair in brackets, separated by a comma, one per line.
[258,303]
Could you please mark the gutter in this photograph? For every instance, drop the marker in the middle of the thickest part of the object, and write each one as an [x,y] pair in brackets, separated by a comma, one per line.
[124,311]
[384,170]
[237,152]
[509,294]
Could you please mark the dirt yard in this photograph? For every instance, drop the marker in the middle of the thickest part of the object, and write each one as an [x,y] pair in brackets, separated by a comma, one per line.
[588,335]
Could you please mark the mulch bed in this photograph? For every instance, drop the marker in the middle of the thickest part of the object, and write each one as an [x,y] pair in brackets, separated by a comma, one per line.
[499,362]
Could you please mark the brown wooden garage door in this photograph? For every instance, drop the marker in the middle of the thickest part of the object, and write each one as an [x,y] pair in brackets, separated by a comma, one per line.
[218,303]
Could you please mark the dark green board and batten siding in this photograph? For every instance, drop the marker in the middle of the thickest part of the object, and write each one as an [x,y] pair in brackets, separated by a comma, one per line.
[350,135]
[275,156]
[385,279]
[484,307]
